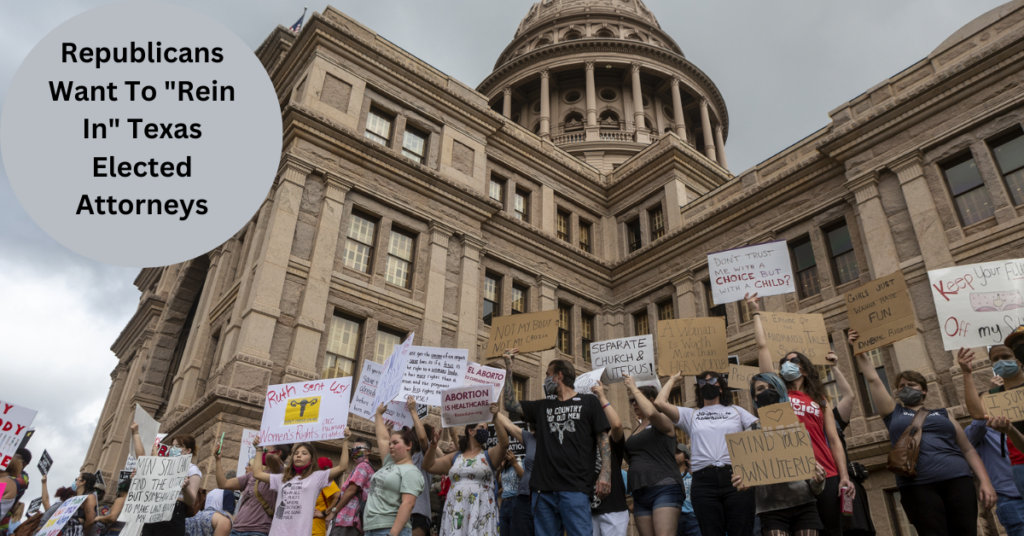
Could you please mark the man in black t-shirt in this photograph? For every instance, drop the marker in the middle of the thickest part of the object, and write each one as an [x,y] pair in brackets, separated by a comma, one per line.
[571,430]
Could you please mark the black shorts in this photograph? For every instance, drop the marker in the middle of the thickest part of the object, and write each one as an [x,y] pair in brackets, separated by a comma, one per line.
[792,519]
[420,521]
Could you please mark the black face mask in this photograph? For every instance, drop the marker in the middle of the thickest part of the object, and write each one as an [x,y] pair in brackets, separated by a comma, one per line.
[710,392]
[767,398]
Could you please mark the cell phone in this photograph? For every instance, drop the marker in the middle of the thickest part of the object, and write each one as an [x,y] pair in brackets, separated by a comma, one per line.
[221,442]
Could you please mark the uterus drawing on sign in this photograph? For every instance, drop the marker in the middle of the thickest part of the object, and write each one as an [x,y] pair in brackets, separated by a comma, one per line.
[996,301]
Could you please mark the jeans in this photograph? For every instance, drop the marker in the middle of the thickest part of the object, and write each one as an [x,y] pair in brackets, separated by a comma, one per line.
[720,508]
[384,532]
[522,516]
[505,516]
[1010,511]
[558,511]
[688,525]
[1018,478]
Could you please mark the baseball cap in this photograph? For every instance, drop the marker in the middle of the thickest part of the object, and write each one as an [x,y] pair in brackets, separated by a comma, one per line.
[683,448]
[1015,337]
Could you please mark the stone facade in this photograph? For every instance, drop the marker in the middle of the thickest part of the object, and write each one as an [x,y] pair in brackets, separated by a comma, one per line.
[407,201]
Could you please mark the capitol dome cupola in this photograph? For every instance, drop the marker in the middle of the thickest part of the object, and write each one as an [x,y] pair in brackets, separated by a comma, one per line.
[602,80]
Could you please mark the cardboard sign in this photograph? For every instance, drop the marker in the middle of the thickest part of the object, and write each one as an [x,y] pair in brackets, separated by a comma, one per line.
[761,268]
[429,371]
[397,415]
[777,416]
[246,451]
[630,355]
[978,304]
[63,514]
[692,345]
[531,332]
[390,382]
[306,411]
[1009,404]
[33,506]
[771,457]
[155,489]
[14,424]
[466,405]
[366,392]
[45,463]
[881,312]
[477,374]
[148,430]
[740,376]
[587,380]
[791,332]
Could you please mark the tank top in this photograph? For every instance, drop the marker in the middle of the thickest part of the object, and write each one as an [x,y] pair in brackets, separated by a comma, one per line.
[812,415]
[651,456]
[940,457]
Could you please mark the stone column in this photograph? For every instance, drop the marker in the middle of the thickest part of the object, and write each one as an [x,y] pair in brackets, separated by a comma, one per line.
[548,302]
[720,147]
[686,297]
[469,299]
[677,110]
[675,199]
[593,129]
[433,317]
[506,105]
[642,134]
[309,326]
[931,235]
[705,122]
[545,105]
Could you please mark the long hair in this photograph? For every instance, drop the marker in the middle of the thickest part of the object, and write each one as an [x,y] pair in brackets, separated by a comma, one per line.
[812,382]
[725,398]
[64,493]
[89,480]
[289,469]
[464,438]
[772,379]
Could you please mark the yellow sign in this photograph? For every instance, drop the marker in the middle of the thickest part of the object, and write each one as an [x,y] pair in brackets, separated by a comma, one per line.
[302,410]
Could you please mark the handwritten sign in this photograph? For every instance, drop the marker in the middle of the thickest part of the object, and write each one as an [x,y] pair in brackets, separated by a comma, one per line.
[777,416]
[978,304]
[99,479]
[33,506]
[881,312]
[692,345]
[629,355]
[655,383]
[740,376]
[14,424]
[397,414]
[761,268]
[366,392]
[466,405]
[45,463]
[63,514]
[791,332]
[155,489]
[390,382]
[477,374]
[246,451]
[148,430]
[1009,404]
[429,371]
[771,457]
[587,380]
[306,411]
[125,476]
[532,332]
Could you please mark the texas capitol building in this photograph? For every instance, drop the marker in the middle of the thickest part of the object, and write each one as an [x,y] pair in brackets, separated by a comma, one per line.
[587,173]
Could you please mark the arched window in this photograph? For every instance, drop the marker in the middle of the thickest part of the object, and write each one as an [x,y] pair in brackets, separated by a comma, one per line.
[648,125]
[572,35]
[605,32]
[542,43]
[634,37]
[609,119]
[573,121]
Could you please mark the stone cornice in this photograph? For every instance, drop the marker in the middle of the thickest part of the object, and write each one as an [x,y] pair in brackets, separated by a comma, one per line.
[130,337]
[864,187]
[908,166]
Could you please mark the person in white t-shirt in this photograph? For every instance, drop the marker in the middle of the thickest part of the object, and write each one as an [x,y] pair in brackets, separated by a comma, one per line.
[719,507]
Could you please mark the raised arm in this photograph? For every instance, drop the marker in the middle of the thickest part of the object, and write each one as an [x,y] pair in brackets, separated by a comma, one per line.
[382,431]
[257,465]
[218,471]
[509,391]
[657,418]
[343,463]
[975,407]
[431,463]
[764,355]
[662,403]
[604,479]
[140,449]
[510,427]
[497,452]
[615,433]
[46,494]
[879,394]
[846,394]
[421,433]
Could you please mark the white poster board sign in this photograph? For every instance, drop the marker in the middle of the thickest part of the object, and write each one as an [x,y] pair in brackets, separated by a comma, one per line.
[246,451]
[429,371]
[306,411]
[466,405]
[61,517]
[148,429]
[155,489]
[587,380]
[14,424]
[366,391]
[630,355]
[398,416]
[761,268]
[391,377]
[477,374]
[978,304]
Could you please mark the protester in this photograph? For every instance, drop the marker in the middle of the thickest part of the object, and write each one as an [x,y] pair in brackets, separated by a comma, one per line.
[421,512]
[510,478]
[394,488]
[810,403]
[214,519]
[611,515]
[349,521]
[109,524]
[470,508]
[687,521]
[62,494]
[940,500]
[297,488]
[16,513]
[181,445]
[1007,367]
[654,479]
[571,431]
[858,523]
[82,520]
[326,501]
[521,523]
[255,512]
[17,483]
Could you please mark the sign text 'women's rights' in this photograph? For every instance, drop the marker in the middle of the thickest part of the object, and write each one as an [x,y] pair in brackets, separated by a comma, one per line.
[978,304]
[761,268]
[306,411]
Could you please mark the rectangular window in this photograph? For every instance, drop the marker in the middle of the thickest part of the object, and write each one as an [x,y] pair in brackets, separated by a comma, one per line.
[378,127]
[844,260]
[875,357]
[587,327]
[562,225]
[492,298]
[359,246]
[400,251]
[1009,153]
[657,223]
[342,347]
[666,311]
[519,385]
[522,205]
[414,145]
[828,381]
[807,283]
[641,324]
[585,236]
[969,193]
[386,342]
[497,190]
[564,332]
[633,235]
[520,294]
[714,310]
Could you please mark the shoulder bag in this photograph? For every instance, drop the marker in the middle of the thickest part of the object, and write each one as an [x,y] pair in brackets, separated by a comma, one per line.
[903,456]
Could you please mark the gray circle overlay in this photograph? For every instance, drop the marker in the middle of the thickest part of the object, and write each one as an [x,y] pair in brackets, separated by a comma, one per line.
[50,163]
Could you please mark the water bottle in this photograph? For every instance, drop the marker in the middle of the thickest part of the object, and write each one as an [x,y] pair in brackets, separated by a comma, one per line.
[847,503]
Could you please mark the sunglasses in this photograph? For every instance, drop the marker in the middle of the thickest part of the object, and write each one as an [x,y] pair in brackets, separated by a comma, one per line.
[632,401]
[794,360]
[702,382]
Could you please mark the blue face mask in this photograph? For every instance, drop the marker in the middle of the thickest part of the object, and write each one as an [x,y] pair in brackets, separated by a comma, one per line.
[1005,368]
[789,371]
[174,452]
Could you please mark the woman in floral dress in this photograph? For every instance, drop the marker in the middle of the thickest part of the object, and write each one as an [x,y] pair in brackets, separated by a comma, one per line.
[470,508]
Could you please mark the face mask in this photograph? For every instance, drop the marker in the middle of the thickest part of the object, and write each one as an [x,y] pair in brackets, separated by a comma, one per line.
[789,371]
[910,397]
[710,392]
[767,398]
[550,387]
[300,468]
[481,436]
[1005,368]
[174,452]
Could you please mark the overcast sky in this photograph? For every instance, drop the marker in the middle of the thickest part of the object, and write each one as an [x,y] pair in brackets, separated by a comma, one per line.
[781,66]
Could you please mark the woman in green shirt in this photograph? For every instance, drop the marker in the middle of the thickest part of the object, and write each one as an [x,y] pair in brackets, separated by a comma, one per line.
[394,488]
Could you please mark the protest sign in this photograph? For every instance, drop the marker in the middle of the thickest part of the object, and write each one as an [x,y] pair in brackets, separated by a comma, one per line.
[363,397]
[630,355]
[429,371]
[477,374]
[655,383]
[390,382]
[531,332]
[33,506]
[777,416]
[124,476]
[155,489]
[692,345]
[45,463]
[99,479]
[740,376]
[978,304]
[466,405]
[129,464]
[1009,404]
[587,380]
[397,414]
[791,332]
[246,451]
[28,435]
[761,268]
[14,424]
[63,514]
[518,449]
[880,312]
[306,411]
[148,430]
[771,457]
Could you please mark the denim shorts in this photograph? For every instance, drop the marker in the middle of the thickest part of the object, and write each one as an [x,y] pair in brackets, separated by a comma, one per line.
[647,500]
[384,532]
